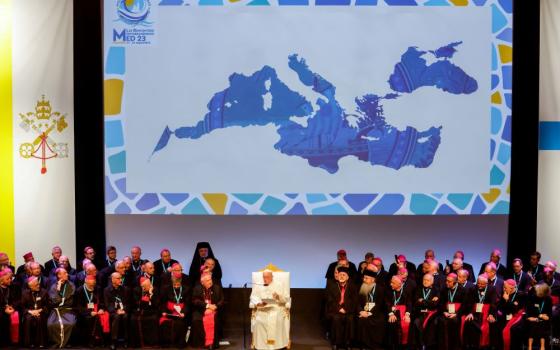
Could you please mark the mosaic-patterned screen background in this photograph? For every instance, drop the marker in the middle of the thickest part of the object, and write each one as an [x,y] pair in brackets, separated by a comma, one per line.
[135,31]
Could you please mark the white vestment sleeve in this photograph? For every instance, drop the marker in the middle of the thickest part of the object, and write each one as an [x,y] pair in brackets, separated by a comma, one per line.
[254,299]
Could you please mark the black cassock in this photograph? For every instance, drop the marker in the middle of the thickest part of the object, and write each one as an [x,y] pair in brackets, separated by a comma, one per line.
[118,299]
[508,331]
[145,318]
[476,333]
[204,325]
[341,324]
[62,319]
[197,262]
[370,331]
[89,327]
[398,302]
[9,295]
[173,327]
[449,327]
[34,327]
[426,302]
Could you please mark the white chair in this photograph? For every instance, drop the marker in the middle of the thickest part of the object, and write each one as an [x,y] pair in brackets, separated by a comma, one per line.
[282,279]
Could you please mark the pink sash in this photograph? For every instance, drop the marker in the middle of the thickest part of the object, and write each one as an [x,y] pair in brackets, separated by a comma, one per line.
[506,333]
[404,325]
[104,320]
[484,327]
[171,310]
[208,323]
[429,315]
[14,327]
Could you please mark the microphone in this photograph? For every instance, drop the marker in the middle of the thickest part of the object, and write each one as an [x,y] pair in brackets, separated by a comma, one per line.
[259,284]
[245,285]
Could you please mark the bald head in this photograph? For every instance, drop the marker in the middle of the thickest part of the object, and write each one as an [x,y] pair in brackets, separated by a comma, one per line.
[396,283]
[428,280]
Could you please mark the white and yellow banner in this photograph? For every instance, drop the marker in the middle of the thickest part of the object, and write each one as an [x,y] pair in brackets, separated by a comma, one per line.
[548,237]
[36,128]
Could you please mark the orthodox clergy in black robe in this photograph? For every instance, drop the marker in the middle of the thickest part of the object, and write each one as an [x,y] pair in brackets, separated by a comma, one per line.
[117,300]
[164,263]
[175,309]
[145,318]
[451,308]
[34,307]
[425,310]
[93,319]
[370,328]
[10,298]
[399,307]
[207,301]
[480,313]
[538,315]
[508,331]
[341,308]
[202,252]
[62,318]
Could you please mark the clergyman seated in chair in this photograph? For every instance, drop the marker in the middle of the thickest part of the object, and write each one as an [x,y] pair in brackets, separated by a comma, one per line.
[270,302]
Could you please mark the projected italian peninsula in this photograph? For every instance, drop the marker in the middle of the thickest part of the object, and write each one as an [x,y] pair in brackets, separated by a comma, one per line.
[330,132]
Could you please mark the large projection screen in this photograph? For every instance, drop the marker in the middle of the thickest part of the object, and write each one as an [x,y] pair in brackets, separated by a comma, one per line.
[289,107]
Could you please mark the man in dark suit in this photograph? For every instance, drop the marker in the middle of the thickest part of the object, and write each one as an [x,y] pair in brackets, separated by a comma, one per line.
[495,257]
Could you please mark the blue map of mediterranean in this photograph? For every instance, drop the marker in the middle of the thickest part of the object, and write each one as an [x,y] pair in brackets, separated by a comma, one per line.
[332,131]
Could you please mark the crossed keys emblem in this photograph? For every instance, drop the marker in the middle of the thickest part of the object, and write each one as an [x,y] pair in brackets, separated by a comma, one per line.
[44,123]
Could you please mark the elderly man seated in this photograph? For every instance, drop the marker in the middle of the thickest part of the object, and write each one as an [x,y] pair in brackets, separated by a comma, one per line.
[270,323]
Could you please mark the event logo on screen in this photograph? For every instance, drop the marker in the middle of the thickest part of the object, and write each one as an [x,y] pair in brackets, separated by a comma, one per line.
[134,23]
[333,131]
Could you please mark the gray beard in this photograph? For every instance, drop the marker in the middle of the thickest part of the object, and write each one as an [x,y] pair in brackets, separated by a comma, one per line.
[365,289]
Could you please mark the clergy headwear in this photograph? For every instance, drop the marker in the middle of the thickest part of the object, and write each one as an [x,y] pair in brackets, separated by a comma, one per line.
[366,273]
[510,282]
[4,272]
[344,269]
[341,252]
[28,256]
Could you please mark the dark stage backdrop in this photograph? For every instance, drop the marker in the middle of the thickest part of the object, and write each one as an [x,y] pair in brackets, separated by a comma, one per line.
[305,245]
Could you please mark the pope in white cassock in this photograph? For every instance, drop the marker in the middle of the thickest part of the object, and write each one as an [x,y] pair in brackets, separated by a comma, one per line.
[270,321]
